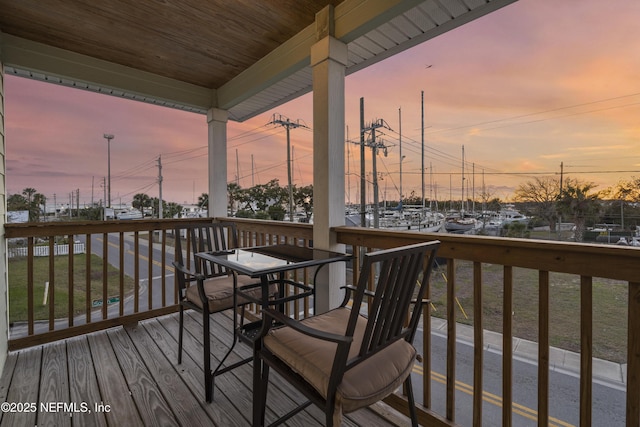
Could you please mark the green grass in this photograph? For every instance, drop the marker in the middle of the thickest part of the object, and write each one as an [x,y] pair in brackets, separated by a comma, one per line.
[17,272]
[609,307]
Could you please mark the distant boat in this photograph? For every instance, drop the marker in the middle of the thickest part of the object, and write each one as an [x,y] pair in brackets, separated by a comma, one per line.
[409,219]
[128,213]
[508,214]
[460,222]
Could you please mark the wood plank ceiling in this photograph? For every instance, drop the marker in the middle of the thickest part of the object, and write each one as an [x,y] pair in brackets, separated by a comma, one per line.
[210,43]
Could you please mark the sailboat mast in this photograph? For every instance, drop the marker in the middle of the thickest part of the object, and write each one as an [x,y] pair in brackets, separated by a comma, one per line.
[462,199]
[401,158]
[422,127]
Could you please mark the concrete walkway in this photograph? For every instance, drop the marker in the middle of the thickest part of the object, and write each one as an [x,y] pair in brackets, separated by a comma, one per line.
[560,360]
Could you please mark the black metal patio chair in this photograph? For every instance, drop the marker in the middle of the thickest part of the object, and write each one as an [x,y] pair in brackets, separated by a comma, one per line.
[344,360]
[210,288]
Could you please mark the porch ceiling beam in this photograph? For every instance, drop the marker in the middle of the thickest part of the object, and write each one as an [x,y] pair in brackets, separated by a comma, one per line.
[352,18]
[76,68]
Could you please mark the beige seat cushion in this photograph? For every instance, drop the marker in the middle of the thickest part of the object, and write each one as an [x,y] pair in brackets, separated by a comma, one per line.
[219,292]
[362,385]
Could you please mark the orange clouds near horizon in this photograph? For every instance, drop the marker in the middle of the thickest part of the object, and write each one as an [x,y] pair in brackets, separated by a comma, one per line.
[525,88]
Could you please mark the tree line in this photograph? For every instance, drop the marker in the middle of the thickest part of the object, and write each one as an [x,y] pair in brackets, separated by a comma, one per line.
[547,199]
[573,200]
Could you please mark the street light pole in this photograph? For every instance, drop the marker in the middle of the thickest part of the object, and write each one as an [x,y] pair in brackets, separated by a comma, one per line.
[108,137]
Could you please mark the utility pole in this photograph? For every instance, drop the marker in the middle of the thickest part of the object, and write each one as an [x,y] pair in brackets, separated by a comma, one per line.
[374,147]
[288,124]
[109,137]
[160,187]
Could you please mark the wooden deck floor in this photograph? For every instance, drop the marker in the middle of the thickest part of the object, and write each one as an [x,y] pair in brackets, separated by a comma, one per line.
[129,376]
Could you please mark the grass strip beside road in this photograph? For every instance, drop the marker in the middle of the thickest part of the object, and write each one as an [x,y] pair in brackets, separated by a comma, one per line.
[17,271]
[610,302]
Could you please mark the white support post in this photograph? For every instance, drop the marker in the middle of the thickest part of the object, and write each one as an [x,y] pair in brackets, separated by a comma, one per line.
[328,60]
[217,120]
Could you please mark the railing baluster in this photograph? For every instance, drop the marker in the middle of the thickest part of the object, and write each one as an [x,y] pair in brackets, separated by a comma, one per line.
[121,247]
[136,273]
[150,270]
[586,349]
[52,284]
[426,346]
[451,340]
[633,356]
[30,306]
[71,269]
[105,272]
[478,344]
[543,349]
[87,290]
[507,348]
[163,267]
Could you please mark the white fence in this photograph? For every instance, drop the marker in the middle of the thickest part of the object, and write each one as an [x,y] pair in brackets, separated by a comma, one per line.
[78,248]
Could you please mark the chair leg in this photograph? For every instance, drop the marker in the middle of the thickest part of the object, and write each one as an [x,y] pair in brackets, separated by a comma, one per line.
[260,382]
[180,334]
[208,375]
[411,402]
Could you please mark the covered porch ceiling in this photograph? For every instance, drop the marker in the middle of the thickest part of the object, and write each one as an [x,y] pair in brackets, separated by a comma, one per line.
[246,57]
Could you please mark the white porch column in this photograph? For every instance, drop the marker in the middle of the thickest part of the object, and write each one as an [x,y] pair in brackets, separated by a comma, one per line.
[217,120]
[4,285]
[328,60]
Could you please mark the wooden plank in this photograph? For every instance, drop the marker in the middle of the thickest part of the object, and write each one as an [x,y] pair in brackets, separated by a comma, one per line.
[152,406]
[29,341]
[187,408]
[24,388]
[478,344]
[586,350]
[112,384]
[54,388]
[84,385]
[7,377]
[543,349]
[281,396]
[164,332]
[226,403]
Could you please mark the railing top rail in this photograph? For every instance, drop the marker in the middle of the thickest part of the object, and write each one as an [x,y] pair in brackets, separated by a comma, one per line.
[38,229]
[607,261]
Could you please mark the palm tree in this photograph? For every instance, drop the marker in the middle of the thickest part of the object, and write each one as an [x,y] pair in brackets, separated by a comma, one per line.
[577,201]
[35,209]
[29,192]
[141,201]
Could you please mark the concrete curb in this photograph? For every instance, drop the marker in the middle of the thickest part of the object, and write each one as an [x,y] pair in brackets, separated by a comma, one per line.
[528,350]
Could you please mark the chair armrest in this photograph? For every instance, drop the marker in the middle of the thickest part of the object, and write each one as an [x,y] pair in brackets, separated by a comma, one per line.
[186,271]
[304,329]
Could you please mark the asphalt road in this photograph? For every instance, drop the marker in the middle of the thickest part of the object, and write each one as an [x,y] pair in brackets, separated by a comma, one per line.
[608,408]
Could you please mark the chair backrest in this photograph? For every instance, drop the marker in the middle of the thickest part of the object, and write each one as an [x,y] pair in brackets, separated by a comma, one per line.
[398,288]
[209,237]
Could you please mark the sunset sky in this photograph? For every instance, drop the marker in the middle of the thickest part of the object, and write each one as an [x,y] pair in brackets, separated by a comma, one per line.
[523,89]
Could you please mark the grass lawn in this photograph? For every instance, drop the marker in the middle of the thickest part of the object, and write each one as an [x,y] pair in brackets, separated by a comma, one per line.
[609,307]
[18,285]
